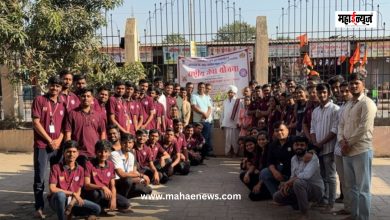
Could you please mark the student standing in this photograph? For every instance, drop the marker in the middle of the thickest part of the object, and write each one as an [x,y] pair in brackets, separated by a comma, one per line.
[48,112]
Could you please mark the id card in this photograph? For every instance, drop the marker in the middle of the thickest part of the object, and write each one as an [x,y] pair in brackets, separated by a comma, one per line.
[52,130]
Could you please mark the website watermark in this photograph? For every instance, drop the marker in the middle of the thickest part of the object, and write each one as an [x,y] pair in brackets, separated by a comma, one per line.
[193,196]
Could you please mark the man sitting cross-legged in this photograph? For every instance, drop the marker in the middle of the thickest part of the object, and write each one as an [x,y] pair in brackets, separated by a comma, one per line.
[160,157]
[100,180]
[305,183]
[66,180]
[128,181]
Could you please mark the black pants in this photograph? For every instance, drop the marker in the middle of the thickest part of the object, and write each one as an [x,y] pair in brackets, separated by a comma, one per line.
[182,168]
[42,158]
[97,196]
[129,189]
[195,158]
[148,172]
[264,194]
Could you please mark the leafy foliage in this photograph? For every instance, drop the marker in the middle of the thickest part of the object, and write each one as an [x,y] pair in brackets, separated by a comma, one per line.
[236,32]
[40,37]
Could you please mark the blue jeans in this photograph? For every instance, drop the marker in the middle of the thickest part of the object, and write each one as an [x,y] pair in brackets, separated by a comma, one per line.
[42,157]
[58,202]
[206,132]
[328,173]
[357,179]
[268,179]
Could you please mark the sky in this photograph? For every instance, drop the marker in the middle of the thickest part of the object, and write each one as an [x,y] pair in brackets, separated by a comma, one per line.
[250,9]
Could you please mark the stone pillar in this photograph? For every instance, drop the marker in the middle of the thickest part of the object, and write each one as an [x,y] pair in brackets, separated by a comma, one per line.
[9,97]
[131,41]
[261,55]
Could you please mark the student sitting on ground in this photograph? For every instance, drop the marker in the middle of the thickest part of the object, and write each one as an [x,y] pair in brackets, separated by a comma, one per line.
[145,159]
[65,182]
[100,180]
[161,159]
[252,164]
[181,139]
[200,140]
[193,148]
[305,184]
[179,165]
[128,181]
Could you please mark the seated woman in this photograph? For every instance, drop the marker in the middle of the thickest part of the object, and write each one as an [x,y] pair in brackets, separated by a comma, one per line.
[254,161]
[193,146]
[178,160]
[66,180]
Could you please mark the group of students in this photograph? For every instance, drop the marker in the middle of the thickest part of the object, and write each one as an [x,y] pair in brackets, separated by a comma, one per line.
[295,139]
[105,149]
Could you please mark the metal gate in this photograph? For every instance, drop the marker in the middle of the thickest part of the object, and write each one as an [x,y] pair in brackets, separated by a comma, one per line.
[172,25]
[329,48]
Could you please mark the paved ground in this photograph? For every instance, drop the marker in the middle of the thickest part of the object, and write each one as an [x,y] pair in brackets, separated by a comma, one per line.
[220,175]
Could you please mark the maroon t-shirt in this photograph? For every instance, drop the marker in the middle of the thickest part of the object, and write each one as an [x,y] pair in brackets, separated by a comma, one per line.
[147,107]
[134,110]
[157,151]
[191,143]
[66,179]
[308,111]
[42,108]
[172,148]
[144,156]
[101,109]
[171,101]
[181,141]
[71,101]
[86,129]
[118,107]
[159,113]
[100,176]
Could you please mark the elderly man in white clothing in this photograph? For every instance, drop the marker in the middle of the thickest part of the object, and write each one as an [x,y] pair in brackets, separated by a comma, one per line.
[229,122]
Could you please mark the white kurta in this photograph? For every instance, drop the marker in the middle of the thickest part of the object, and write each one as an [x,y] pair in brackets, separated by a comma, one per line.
[230,126]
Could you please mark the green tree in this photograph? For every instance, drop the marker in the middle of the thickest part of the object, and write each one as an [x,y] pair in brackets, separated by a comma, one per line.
[236,32]
[174,39]
[58,34]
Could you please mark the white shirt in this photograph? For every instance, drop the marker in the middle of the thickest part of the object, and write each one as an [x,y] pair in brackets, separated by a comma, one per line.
[307,171]
[357,124]
[203,103]
[163,100]
[120,162]
[324,121]
[227,110]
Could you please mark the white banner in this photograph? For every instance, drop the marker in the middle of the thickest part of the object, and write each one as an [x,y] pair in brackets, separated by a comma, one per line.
[221,70]
[329,49]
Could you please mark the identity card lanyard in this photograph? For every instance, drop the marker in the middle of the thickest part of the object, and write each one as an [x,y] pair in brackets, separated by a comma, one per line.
[51,126]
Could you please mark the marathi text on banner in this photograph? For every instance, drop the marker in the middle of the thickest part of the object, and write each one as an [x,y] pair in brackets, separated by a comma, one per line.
[220,70]
[329,49]
[284,50]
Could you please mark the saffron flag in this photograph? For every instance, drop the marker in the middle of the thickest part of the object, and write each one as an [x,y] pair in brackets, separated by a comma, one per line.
[364,61]
[307,61]
[302,39]
[342,59]
[354,58]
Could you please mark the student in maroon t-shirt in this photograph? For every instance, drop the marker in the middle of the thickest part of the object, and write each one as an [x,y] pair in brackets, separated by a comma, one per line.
[48,113]
[134,108]
[144,158]
[192,144]
[69,98]
[118,110]
[173,114]
[180,137]
[170,145]
[85,126]
[170,100]
[100,180]
[65,182]
[310,106]
[102,99]
[158,121]
[160,157]
[148,110]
